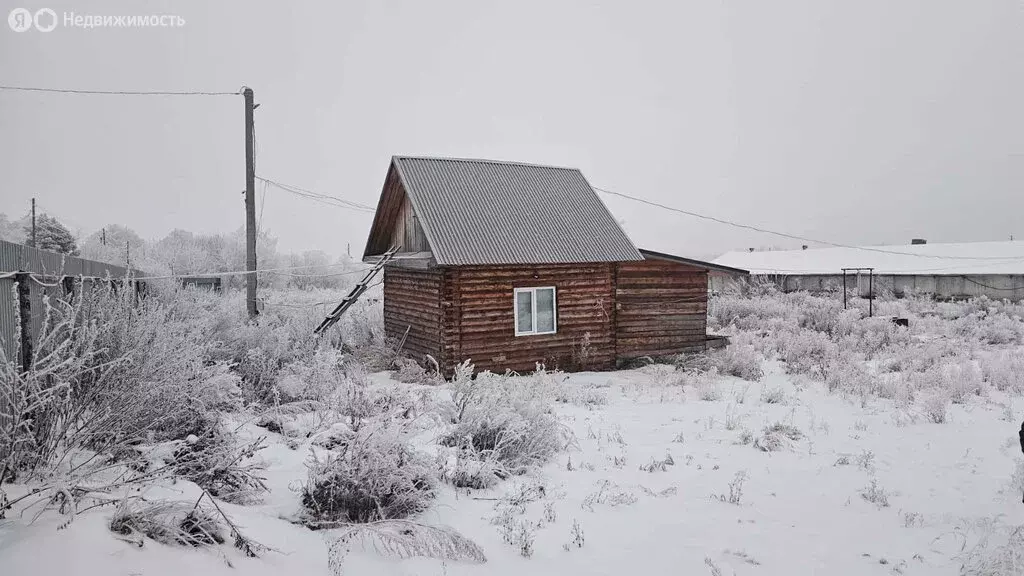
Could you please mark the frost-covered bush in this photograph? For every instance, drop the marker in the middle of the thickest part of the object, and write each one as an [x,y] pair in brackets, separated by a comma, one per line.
[875,494]
[959,380]
[750,313]
[935,406]
[376,476]
[109,372]
[847,374]
[314,378]
[777,437]
[991,327]
[708,385]
[506,421]
[410,372]
[819,314]
[580,395]
[870,336]
[1004,370]
[807,352]
[217,462]
[740,358]
[775,395]
[918,357]
[171,523]
[1000,556]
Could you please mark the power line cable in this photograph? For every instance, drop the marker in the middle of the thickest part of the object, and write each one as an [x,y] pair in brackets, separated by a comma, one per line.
[316,196]
[117,92]
[213,274]
[795,237]
[972,281]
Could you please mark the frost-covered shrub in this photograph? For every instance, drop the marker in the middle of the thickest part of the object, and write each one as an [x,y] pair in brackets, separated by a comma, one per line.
[917,357]
[109,372]
[258,370]
[171,523]
[848,375]
[894,386]
[959,380]
[870,336]
[740,358]
[935,406]
[775,395]
[819,314]
[506,420]
[694,363]
[260,349]
[222,389]
[580,395]
[989,325]
[217,462]
[807,352]
[376,476]
[750,313]
[360,401]
[1004,370]
[709,389]
[777,437]
[1002,556]
[875,494]
[410,372]
[313,378]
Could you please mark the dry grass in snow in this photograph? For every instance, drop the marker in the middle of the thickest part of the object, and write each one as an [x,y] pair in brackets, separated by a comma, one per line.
[822,442]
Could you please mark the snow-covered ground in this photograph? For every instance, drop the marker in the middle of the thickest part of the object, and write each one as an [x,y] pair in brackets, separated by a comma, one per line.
[657,481]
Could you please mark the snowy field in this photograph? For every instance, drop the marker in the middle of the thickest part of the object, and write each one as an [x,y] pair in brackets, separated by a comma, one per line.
[819,442]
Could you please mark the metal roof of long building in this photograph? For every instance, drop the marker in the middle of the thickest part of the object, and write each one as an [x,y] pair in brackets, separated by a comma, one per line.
[969,258]
[491,212]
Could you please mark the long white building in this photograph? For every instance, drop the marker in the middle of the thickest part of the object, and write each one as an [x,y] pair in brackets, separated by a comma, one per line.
[993,269]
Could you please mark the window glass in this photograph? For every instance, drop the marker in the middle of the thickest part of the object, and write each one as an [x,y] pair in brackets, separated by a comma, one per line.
[524,311]
[545,310]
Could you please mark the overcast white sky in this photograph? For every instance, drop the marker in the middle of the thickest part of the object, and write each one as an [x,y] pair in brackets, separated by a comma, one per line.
[859,121]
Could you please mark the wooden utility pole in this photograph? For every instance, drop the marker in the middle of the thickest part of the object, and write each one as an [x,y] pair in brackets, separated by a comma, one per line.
[127,254]
[250,207]
[34,245]
[104,237]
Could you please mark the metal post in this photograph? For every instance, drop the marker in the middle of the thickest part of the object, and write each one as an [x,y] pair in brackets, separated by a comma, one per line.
[871,292]
[24,320]
[844,289]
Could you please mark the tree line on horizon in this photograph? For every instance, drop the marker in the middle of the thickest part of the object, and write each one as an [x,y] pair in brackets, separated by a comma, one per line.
[182,252]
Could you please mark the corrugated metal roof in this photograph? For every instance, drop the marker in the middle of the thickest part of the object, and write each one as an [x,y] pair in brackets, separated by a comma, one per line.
[490,212]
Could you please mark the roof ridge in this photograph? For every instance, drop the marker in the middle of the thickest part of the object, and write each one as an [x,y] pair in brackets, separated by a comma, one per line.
[482,161]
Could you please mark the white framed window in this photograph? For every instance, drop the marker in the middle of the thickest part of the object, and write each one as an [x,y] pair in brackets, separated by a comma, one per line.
[535,310]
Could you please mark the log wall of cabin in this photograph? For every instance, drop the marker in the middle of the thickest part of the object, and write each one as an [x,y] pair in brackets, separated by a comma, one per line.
[412,299]
[478,317]
[630,310]
[660,308]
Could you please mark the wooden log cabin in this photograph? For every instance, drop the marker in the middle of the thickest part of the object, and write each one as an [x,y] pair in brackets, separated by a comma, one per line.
[511,265]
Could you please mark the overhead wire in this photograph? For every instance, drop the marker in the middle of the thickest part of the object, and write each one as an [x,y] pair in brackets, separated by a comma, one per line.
[973,281]
[317,197]
[794,236]
[282,270]
[118,92]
